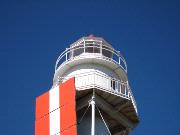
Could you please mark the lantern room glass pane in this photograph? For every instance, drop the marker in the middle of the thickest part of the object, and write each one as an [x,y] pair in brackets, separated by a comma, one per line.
[106,52]
[92,47]
[96,48]
[78,50]
[89,48]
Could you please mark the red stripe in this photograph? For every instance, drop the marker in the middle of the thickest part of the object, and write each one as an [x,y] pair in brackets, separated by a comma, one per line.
[68,117]
[42,126]
[67,92]
[70,131]
[42,105]
[42,115]
[67,107]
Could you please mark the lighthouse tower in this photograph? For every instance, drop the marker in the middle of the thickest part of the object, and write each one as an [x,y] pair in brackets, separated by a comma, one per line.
[104,103]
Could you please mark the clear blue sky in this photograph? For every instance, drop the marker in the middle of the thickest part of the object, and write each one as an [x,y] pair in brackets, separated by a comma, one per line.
[34,32]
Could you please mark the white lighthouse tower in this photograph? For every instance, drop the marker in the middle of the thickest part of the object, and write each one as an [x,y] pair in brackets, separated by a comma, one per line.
[104,100]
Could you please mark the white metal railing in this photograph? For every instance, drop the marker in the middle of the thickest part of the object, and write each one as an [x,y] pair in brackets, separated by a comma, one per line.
[92,46]
[103,82]
[133,99]
[106,83]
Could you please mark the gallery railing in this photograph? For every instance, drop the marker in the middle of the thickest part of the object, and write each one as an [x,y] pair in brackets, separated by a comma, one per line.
[94,47]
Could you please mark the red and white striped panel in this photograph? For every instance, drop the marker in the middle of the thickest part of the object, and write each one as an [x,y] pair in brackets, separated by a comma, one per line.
[56,112]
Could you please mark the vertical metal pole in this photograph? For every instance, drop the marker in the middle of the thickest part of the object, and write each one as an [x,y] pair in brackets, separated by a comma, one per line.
[93,115]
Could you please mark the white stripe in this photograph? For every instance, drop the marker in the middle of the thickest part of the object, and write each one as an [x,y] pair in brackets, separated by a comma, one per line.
[55,122]
[54,110]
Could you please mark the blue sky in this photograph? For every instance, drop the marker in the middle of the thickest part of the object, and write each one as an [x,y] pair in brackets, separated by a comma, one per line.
[33,34]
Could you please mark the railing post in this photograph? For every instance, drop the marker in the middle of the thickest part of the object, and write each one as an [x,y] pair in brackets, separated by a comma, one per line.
[125,89]
[126,68]
[118,57]
[84,46]
[129,93]
[120,88]
[66,54]
[128,89]
[107,86]
[72,52]
[101,48]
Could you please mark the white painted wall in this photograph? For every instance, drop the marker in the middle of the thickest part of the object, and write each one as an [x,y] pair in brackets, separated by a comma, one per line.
[86,68]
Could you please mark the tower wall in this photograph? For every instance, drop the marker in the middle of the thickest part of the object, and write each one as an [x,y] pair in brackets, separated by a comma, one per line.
[84,69]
